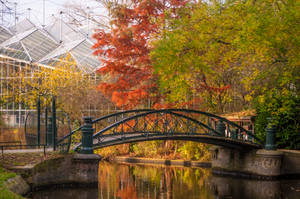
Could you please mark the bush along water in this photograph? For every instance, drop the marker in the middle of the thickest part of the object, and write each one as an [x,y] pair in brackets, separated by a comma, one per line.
[283,108]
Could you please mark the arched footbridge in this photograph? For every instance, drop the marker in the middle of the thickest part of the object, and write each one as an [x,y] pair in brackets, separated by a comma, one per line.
[167,124]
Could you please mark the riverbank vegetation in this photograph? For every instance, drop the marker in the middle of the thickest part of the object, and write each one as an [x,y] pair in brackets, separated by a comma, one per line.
[175,150]
[215,56]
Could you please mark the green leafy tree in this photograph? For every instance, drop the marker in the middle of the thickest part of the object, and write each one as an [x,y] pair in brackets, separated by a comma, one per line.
[220,51]
[270,44]
[194,58]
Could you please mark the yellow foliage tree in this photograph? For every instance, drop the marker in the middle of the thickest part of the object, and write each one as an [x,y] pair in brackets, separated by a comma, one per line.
[74,90]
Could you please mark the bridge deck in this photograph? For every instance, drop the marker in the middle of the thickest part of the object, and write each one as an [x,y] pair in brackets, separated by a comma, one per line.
[116,139]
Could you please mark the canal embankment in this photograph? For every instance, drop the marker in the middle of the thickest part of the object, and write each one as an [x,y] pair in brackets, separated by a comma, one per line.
[256,164]
[16,171]
[139,160]
[291,163]
[82,169]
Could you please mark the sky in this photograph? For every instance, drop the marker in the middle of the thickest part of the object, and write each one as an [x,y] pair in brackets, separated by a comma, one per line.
[52,7]
[36,6]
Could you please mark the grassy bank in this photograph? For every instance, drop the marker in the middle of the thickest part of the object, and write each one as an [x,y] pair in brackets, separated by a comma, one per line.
[5,193]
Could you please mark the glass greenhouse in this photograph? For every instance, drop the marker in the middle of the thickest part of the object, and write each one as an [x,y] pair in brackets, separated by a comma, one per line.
[28,47]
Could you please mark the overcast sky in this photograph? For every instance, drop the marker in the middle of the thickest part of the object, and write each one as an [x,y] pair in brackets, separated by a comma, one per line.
[52,7]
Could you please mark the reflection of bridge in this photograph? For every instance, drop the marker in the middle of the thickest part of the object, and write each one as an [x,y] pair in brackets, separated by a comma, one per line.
[168,124]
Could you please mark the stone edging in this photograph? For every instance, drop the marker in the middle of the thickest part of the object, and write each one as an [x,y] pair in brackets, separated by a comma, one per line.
[162,162]
[17,185]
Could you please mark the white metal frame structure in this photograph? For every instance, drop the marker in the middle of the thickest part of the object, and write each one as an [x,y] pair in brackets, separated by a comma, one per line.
[26,46]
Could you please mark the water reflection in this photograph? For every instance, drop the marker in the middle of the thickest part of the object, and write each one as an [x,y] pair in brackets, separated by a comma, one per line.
[248,189]
[121,181]
[65,193]
[131,181]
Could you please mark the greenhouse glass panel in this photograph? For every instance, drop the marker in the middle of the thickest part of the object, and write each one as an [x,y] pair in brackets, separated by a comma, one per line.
[39,45]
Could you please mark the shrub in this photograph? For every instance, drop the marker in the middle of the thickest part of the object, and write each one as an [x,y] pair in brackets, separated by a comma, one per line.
[283,107]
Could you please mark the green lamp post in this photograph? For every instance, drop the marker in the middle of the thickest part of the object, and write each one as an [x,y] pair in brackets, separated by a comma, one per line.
[270,136]
[87,136]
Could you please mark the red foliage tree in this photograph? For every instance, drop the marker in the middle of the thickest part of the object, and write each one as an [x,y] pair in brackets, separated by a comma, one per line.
[124,51]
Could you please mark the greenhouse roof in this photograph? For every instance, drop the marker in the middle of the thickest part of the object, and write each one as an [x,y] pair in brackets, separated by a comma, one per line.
[48,45]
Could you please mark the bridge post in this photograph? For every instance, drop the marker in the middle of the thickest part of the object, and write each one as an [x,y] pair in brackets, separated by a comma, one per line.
[87,136]
[220,128]
[270,136]
[235,134]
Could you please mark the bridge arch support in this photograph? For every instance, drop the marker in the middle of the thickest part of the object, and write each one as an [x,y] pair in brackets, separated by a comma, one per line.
[255,163]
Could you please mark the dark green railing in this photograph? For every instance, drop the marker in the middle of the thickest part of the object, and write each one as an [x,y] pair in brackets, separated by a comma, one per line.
[147,122]
[65,143]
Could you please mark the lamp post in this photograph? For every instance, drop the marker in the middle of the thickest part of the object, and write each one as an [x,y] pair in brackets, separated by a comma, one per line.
[87,136]
[270,136]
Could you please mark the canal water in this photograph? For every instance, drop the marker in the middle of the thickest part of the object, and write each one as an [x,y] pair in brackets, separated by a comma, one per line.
[128,181]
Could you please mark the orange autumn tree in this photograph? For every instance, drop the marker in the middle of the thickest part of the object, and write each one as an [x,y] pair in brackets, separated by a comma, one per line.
[124,51]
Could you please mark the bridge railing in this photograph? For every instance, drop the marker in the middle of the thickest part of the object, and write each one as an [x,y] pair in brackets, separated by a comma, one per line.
[74,137]
[147,122]
[175,121]
[223,128]
[69,140]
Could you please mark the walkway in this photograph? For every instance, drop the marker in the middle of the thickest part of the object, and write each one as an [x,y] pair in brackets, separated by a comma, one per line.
[40,150]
